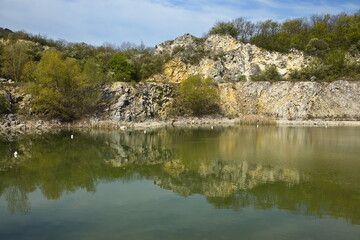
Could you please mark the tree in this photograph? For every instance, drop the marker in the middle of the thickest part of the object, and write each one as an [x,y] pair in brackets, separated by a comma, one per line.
[199,95]
[15,57]
[80,51]
[60,89]
[93,70]
[224,28]
[245,29]
[2,46]
[122,68]
[266,36]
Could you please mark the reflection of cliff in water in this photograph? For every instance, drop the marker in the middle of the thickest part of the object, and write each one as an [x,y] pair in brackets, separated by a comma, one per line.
[286,168]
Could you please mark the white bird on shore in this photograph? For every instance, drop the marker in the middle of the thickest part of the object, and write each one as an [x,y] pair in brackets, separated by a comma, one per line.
[212,127]
[144,131]
[72,136]
[257,125]
[15,154]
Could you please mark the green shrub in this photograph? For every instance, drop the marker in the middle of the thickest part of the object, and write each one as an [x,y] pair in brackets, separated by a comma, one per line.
[317,47]
[198,95]
[224,28]
[4,105]
[242,78]
[177,49]
[269,74]
[193,55]
[354,49]
[333,65]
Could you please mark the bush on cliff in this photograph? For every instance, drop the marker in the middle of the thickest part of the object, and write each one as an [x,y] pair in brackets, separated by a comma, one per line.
[4,105]
[269,74]
[60,89]
[224,28]
[198,95]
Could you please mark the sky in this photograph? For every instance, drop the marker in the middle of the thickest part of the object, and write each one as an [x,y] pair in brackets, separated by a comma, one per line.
[148,21]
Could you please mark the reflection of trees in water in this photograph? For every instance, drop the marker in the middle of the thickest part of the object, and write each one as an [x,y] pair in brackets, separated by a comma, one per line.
[234,167]
[17,199]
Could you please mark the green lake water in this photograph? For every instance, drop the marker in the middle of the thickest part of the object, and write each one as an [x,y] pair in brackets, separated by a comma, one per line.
[182,183]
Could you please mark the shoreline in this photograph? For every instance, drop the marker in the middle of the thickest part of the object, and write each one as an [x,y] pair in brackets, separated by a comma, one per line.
[43,126]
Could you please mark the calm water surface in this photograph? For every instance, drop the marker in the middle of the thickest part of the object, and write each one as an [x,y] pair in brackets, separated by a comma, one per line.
[225,183]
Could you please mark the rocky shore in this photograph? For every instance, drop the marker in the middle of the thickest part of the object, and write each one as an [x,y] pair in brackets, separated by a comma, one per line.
[11,124]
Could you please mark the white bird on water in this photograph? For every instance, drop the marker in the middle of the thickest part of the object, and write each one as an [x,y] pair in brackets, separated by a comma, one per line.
[15,154]
[212,127]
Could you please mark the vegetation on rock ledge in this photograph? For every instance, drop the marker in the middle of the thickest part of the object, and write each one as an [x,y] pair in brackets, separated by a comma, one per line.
[198,95]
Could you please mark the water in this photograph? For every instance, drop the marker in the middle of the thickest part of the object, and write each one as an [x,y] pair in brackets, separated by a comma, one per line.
[225,183]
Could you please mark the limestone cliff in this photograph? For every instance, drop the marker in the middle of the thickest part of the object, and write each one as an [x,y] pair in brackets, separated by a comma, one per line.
[339,100]
[222,58]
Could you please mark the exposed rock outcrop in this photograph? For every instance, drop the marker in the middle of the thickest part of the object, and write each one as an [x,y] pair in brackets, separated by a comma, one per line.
[124,102]
[222,58]
[339,100]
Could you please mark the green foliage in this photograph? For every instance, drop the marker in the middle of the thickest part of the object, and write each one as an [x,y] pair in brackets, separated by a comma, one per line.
[80,51]
[269,74]
[60,89]
[39,39]
[145,62]
[2,46]
[333,65]
[224,28]
[4,105]
[198,95]
[93,70]
[317,47]
[28,71]
[122,68]
[15,57]
[339,31]
[354,49]
[242,78]
[193,54]
[177,49]
[151,66]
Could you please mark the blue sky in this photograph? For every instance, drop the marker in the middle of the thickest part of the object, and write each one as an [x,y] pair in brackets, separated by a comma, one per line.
[149,21]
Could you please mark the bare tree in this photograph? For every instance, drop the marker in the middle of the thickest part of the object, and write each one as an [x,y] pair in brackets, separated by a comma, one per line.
[245,29]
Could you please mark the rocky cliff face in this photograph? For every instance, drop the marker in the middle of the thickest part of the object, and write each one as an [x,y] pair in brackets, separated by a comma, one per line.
[339,100]
[222,58]
[128,102]
[124,102]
